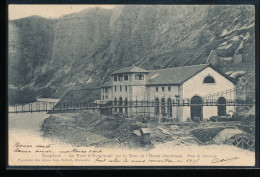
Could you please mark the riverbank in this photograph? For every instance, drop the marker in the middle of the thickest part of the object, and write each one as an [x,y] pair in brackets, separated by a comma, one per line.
[67,132]
[93,129]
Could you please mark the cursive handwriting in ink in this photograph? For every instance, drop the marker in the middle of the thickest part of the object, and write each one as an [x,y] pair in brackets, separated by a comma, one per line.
[226,160]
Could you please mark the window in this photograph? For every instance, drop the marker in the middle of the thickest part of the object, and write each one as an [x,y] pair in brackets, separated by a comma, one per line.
[222,106]
[163,89]
[120,88]
[209,80]
[163,106]
[139,77]
[126,88]
[115,88]
[120,78]
[126,77]
[126,110]
[105,90]
[115,104]
[106,97]
[115,78]
[169,89]
[156,89]
[120,105]
[169,107]
[103,97]
[156,107]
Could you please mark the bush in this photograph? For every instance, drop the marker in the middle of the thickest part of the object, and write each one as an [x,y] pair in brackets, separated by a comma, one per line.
[238,117]
[21,96]
[206,134]
[221,118]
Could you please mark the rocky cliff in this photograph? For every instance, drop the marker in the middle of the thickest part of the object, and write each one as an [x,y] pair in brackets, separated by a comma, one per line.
[82,49]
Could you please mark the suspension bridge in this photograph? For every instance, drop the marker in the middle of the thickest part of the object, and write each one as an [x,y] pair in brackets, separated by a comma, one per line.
[207,100]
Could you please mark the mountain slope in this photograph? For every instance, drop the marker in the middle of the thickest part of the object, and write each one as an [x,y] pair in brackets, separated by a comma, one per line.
[82,49]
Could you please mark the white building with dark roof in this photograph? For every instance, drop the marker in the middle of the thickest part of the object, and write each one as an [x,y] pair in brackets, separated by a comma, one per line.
[165,86]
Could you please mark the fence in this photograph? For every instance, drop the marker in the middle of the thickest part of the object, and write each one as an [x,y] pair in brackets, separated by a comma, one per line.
[109,107]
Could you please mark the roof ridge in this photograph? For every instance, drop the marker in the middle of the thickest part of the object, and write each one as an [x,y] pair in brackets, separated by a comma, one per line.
[129,69]
[206,64]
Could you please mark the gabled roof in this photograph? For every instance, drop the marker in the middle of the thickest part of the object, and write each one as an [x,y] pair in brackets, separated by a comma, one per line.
[223,74]
[132,69]
[107,84]
[173,76]
[176,75]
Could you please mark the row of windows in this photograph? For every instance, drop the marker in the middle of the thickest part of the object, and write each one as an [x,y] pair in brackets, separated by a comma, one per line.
[157,89]
[120,103]
[105,96]
[120,77]
[163,105]
[120,88]
[139,77]
[208,79]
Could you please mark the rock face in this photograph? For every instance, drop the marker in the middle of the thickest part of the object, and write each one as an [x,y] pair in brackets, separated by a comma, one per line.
[82,49]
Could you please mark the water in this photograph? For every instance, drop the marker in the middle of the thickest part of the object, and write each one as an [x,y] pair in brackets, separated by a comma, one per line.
[25,127]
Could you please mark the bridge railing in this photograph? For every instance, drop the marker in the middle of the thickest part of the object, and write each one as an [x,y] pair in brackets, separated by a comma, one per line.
[66,106]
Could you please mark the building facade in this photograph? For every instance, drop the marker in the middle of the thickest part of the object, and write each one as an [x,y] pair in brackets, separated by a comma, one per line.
[163,87]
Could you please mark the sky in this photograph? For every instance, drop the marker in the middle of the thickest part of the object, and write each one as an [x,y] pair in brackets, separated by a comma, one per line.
[47,11]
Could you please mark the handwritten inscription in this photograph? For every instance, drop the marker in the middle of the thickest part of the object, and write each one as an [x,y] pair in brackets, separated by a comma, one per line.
[224,160]
[47,154]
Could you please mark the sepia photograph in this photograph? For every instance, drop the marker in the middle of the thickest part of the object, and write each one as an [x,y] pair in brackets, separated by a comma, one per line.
[131,85]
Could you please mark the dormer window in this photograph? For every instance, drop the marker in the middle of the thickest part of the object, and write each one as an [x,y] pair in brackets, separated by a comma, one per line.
[115,78]
[120,78]
[209,80]
[139,77]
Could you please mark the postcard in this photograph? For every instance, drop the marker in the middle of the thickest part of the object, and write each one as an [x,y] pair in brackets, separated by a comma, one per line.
[131,85]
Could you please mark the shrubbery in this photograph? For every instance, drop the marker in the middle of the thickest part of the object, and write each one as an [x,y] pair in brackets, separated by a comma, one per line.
[206,134]
[21,96]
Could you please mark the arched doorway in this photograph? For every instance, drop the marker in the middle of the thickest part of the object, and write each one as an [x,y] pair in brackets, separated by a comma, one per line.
[169,107]
[115,105]
[126,110]
[163,106]
[221,106]
[156,107]
[120,105]
[196,110]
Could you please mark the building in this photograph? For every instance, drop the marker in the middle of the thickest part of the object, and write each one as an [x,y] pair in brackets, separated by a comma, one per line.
[162,87]
[77,98]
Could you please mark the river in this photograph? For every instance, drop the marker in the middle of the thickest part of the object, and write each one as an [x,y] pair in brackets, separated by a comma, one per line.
[25,128]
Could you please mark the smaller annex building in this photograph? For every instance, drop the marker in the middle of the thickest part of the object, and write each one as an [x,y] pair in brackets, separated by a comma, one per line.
[165,86]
